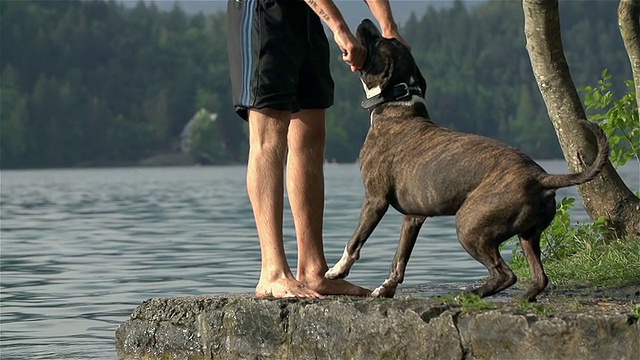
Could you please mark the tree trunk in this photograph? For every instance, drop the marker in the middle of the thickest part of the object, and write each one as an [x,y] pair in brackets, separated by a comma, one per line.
[629,23]
[607,195]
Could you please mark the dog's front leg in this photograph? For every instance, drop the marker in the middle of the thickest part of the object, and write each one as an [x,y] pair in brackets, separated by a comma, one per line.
[372,212]
[411,226]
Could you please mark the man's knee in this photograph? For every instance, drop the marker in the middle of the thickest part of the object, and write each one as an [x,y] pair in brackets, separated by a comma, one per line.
[307,131]
[268,128]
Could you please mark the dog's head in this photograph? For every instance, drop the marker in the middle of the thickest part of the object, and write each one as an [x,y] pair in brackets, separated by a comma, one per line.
[389,63]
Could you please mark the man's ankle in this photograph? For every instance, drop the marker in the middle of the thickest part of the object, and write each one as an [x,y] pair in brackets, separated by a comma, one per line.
[275,274]
[311,274]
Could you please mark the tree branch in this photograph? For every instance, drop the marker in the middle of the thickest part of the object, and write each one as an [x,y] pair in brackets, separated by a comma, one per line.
[629,23]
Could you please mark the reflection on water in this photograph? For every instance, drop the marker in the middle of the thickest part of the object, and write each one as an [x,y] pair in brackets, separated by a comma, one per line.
[82,248]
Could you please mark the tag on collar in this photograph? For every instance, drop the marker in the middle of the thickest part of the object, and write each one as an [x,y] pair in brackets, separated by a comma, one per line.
[375,91]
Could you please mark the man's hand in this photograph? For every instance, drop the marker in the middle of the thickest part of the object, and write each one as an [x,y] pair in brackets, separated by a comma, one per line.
[353,53]
[394,34]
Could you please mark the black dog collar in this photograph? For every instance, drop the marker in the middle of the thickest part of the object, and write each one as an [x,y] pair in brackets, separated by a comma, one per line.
[394,93]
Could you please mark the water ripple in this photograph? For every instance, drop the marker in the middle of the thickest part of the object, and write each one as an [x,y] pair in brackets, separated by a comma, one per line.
[82,248]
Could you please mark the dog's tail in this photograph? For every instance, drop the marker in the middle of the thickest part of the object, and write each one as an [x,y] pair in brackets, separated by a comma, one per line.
[559,181]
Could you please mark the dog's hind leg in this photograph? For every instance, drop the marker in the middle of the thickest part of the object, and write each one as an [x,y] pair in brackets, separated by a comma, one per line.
[500,275]
[410,228]
[531,248]
[530,243]
[372,212]
[483,223]
[482,243]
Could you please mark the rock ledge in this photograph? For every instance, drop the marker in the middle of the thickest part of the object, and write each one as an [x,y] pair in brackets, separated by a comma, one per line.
[243,327]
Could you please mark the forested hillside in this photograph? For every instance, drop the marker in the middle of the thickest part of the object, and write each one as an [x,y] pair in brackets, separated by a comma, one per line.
[94,83]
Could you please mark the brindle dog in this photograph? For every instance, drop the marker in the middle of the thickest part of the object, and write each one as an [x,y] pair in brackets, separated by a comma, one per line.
[423,170]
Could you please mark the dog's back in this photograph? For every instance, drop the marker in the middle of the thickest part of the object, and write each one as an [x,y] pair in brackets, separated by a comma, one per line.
[440,166]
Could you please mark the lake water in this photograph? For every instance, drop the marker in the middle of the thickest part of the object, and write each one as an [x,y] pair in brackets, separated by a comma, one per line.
[80,249]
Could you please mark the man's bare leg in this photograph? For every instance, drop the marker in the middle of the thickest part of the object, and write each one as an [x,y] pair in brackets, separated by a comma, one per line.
[265,186]
[305,186]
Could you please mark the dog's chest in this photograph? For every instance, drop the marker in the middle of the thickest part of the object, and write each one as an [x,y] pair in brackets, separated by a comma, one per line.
[389,138]
[379,154]
[374,148]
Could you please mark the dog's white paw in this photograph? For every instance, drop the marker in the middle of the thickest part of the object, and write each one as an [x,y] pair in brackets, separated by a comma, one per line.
[386,290]
[378,292]
[335,273]
[341,269]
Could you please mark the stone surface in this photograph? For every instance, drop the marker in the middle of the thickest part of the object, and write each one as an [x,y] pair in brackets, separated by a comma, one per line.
[408,327]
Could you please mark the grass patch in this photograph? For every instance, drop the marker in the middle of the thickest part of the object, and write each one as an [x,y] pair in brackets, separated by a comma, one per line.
[595,263]
[612,264]
[533,307]
[576,305]
[468,302]
[585,254]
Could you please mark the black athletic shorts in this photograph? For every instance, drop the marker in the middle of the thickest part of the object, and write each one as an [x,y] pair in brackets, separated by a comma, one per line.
[278,56]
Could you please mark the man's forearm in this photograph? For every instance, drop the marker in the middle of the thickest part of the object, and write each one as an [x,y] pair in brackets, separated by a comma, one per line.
[381,10]
[353,53]
[329,13]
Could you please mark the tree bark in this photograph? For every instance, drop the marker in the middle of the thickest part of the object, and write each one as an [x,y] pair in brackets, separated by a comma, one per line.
[607,195]
[629,23]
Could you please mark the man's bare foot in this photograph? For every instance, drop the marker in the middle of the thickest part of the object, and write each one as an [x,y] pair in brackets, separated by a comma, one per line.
[334,287]
[285,287]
